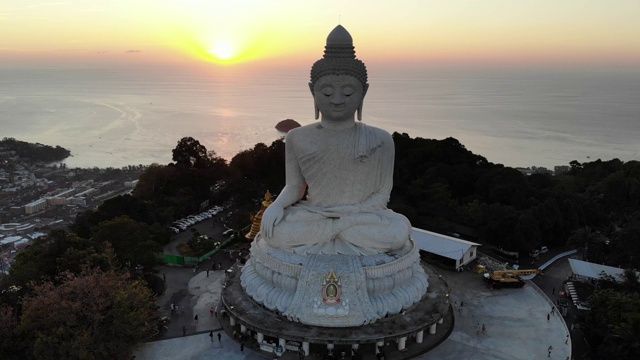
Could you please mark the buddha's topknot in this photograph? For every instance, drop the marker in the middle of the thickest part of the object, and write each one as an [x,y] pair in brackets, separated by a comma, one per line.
[339,58]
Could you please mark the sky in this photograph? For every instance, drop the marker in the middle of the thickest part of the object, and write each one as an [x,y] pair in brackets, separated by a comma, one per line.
[287,32]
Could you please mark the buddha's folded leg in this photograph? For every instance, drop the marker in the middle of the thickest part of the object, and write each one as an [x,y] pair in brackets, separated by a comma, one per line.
[383,231]
[302,228]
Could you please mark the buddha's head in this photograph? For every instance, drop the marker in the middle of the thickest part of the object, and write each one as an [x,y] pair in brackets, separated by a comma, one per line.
[338,80]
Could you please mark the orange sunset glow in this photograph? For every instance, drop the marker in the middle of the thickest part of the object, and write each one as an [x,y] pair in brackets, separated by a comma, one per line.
[227,33]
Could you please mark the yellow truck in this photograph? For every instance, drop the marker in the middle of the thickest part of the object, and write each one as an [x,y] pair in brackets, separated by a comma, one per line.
[508,278]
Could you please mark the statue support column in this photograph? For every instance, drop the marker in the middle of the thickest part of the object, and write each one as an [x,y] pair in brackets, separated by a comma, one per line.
[402,343]
[354,348]
[305,348]
[379,344]
[441,320]
[260,337]
[420,336]
[232,321]
[432,329]
[243,329]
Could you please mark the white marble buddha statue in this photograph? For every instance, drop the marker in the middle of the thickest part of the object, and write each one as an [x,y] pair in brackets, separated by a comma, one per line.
[344,167]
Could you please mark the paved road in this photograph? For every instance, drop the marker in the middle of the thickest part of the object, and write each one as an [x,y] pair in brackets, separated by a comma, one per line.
[552,283]
[515,319]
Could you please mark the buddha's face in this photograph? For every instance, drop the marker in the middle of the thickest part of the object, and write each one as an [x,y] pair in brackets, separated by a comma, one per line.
[338,96]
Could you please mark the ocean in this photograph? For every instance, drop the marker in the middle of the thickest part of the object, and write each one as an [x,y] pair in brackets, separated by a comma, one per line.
[130,116]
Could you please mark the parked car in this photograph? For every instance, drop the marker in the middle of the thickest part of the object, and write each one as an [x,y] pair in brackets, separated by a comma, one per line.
[543,249]
[182,225]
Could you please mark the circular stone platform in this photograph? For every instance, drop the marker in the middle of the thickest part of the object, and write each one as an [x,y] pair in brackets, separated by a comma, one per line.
[431,313]
[334,290]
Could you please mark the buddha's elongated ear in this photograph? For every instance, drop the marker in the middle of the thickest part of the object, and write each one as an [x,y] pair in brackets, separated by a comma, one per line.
[365,87]
[316,109]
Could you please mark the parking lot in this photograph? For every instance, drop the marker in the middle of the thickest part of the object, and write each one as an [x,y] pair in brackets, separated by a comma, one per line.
[213,227]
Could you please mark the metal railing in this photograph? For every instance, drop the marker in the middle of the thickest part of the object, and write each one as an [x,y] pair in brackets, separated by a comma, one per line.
[170,259]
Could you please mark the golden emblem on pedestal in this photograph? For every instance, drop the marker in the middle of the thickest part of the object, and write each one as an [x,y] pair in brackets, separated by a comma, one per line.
[331,289]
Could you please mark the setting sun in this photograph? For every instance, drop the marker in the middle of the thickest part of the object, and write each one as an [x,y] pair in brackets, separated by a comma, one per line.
[223,51]
[284,31]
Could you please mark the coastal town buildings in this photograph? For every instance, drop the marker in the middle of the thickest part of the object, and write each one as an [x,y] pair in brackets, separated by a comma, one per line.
[36,198]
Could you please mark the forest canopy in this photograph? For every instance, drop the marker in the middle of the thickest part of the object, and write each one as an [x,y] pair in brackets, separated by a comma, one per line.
[438,184]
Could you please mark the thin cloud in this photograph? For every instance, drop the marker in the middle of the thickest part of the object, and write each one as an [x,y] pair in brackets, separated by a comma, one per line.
[49,4]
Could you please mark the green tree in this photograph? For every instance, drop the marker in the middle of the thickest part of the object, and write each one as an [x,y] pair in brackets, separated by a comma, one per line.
[134,243]
[134,207]
[612,327]
[262,166]
[630,281]
[94,315]
[50,255]
[178,189]
[625,245]
[590,241]
[190,153]
[527,233]
[35,152]
[9,344]
[153,180]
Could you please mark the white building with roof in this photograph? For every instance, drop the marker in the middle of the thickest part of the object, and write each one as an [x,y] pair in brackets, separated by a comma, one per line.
[459,252]
[35,206]
[36,234]
[593,271]
[9,240]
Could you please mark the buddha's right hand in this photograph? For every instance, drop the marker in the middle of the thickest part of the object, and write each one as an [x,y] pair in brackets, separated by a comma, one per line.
[271,217]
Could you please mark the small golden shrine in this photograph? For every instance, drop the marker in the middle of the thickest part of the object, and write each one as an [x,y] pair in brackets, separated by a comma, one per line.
[331,289]
[256,219]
